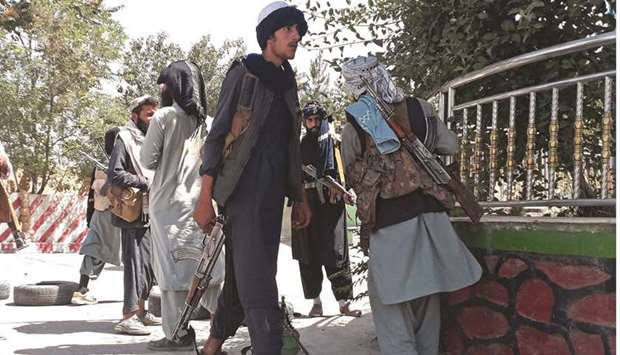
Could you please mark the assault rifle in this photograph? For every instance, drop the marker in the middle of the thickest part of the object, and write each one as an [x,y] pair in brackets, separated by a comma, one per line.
[211,248]
[428,160]
[329,182]
[98,164]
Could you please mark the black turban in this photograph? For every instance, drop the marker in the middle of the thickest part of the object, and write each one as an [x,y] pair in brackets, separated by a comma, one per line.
[184,83]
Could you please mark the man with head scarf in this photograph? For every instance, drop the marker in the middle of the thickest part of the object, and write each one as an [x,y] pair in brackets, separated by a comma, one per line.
[172,149]
[125,171]
[251,162]
[414,253]
[103,242]
[323,244]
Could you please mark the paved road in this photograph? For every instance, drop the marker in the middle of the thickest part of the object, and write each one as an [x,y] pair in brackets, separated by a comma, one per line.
[64,330]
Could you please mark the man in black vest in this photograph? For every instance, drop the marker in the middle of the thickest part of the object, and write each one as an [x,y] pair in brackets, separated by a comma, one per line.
[323,244]
[251,162]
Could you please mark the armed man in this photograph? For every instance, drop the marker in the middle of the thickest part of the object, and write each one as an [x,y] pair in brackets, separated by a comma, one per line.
[103,241]
[127,175]
[251,162]
[414,253]
[324,243]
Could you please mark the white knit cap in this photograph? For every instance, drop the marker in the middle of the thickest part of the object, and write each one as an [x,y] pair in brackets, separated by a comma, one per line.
[267,10]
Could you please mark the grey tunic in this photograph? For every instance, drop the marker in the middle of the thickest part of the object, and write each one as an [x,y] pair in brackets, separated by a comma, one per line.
[171,151]
[103,241]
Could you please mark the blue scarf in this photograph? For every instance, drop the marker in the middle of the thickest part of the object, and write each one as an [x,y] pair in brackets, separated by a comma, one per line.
[366,113]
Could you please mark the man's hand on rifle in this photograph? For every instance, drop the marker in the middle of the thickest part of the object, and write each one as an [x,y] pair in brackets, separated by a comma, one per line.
[301,214]
[335,195]
[204,213]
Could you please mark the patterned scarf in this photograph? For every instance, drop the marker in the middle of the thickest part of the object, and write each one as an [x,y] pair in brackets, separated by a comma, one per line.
[375,73]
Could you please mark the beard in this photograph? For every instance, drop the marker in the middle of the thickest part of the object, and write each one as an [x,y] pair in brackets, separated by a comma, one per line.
[142,126]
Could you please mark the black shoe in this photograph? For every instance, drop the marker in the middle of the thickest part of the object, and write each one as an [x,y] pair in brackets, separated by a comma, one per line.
[165,344]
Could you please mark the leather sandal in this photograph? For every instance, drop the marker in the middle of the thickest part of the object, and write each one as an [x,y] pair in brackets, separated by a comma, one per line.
[217,352]
[345,311]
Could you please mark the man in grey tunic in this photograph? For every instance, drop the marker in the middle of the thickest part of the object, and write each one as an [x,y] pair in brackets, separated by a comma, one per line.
[414,253]
[172,148]
[103,242]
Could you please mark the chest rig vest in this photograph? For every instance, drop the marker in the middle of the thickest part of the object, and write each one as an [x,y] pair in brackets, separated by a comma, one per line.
[395,174]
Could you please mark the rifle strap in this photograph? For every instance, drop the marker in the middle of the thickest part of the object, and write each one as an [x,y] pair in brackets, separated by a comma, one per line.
[339,164]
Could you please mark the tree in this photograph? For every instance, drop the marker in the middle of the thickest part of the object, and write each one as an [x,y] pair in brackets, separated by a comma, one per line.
[427,43]
[214,63]
[316,85]
[143,61]
[47,67]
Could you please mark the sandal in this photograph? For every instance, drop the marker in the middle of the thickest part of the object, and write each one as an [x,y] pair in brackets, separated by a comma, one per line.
[218,352]
[345,311]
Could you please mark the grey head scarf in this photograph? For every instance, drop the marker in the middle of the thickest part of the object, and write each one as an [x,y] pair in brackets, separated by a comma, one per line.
[375,73]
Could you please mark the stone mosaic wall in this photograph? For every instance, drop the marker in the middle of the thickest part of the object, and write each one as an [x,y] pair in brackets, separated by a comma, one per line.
[533,304]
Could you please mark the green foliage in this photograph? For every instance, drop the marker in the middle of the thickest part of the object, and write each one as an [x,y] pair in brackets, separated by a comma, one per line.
[47,68]
[55,57]
[316,85]
[427,43]
[214,63]
[143,61]
[147,57]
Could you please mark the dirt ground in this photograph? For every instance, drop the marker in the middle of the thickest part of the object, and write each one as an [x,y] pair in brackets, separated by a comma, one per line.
[63,330]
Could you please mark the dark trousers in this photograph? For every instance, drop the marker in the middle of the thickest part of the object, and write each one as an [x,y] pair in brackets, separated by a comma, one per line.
[138,276]
[339,277]
[250,291]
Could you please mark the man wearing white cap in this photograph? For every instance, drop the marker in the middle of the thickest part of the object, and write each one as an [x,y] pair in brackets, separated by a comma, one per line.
[251,162]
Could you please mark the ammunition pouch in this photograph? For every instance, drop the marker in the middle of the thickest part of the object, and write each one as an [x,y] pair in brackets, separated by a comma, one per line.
[126,203]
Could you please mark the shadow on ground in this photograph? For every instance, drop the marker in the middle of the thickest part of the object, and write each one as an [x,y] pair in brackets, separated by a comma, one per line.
[73,349]
[68,326]
[13,304]
[336,334]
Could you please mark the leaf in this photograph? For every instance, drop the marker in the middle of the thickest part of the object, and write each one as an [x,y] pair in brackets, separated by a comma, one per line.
[507,25]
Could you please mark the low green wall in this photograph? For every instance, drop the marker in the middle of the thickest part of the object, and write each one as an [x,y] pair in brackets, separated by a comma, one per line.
[552,236]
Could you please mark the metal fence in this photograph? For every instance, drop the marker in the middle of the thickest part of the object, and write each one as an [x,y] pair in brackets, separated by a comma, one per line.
[539,166]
